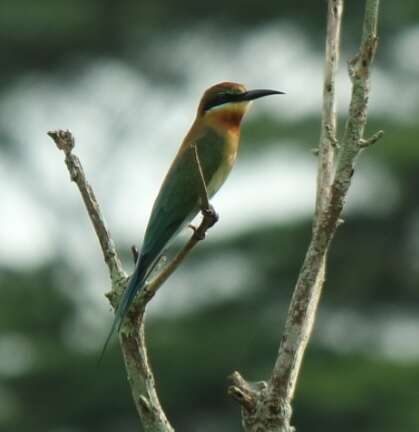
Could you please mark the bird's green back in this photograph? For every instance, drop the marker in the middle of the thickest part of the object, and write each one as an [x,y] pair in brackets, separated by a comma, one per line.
[178,200]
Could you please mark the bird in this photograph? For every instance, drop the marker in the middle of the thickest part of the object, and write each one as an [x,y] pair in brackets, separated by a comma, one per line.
[214,136]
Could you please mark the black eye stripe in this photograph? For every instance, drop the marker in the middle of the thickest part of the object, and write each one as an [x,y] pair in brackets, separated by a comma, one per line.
[221,99]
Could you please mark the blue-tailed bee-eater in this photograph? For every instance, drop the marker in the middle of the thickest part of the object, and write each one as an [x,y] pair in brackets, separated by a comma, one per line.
[214,135]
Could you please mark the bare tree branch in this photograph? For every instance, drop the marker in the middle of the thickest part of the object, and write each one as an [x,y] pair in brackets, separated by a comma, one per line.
[140,375]
[328,130]
[270,409]
[132,336]
[65,142]
[305,302]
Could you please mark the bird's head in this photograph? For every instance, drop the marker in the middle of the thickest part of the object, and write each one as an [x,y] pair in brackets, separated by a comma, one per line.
[227,102]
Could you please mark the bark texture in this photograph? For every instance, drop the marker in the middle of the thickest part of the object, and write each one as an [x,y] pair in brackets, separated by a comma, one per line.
[268,407]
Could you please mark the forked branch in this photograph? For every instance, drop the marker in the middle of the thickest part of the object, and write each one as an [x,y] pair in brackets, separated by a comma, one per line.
[132,338]
[269,409]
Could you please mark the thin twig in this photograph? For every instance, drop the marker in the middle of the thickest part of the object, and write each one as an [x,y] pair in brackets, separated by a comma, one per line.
[65,142]
[199,234]
[328,130]
[205,205]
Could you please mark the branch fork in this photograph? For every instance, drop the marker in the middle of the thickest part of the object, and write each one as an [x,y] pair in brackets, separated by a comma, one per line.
[132,335]
[269,409]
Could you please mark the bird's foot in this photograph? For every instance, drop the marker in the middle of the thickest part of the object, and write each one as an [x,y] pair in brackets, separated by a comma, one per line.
[210,215]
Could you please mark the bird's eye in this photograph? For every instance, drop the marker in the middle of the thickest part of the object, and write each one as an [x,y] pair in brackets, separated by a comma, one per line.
[223,98]
[217,99]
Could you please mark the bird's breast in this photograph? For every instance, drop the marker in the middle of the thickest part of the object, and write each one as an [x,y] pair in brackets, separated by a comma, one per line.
[228,117]
[224,149]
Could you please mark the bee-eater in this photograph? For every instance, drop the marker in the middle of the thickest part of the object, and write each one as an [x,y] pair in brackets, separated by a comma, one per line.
[215,135]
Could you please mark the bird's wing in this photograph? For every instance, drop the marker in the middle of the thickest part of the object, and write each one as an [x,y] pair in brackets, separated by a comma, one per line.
[178,200]
[176,205]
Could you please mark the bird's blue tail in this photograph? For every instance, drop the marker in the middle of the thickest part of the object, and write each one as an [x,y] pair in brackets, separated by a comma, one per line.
[135,285]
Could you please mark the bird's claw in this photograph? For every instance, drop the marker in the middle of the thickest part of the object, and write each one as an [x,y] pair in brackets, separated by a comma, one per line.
[211,215]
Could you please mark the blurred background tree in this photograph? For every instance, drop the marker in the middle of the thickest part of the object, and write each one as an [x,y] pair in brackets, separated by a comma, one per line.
[125,77]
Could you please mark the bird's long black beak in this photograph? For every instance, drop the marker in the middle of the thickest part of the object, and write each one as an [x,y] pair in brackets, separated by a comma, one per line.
[256,94]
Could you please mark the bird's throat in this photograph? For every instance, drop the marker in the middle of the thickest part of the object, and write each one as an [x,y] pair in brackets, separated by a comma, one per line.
[229,120]
[227,117]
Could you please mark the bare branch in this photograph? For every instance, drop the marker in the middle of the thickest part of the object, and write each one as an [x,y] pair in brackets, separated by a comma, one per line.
[273,405]
[132,339]
[141,378]
[307,291]
[199,234]
[65,142]
[140,375]
[308,288]
[328,141]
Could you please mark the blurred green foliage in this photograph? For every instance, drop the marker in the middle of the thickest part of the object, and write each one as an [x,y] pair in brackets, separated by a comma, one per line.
[193,354]
[41,35]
